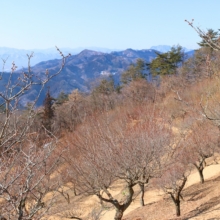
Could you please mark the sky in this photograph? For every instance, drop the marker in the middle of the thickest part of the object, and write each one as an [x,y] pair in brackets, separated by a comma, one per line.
[113,24]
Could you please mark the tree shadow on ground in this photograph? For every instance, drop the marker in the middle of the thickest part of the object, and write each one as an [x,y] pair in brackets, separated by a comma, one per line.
[204,208]
[198,194]
[197,191]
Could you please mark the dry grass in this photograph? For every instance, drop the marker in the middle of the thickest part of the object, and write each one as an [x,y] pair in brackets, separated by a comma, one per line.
[201,202]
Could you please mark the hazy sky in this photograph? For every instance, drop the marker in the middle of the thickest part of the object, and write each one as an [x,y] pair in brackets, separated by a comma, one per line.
[114,24]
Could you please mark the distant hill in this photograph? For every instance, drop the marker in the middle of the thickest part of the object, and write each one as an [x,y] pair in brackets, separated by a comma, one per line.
[83,68]
[19,56]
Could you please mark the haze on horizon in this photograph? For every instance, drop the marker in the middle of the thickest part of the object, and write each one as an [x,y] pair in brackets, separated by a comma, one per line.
[112,24]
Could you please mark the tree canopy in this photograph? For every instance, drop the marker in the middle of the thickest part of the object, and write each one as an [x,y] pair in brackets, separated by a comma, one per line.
[166,63]
[134,72]
[48,111]
[212,37]
[105,87]
[62,97]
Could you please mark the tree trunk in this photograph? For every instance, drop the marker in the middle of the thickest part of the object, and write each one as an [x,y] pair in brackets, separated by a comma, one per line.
[177,204]
[200,169]
[118,214]
[142,194]
[101,201]
[121,208]
[74,190]
[201,176]
[176,201]
[20,209]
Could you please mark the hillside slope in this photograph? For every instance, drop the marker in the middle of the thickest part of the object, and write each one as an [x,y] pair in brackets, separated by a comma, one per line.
[201,201]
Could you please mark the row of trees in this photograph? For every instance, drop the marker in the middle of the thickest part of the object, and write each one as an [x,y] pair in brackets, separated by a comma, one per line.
[136,144]
[108,94]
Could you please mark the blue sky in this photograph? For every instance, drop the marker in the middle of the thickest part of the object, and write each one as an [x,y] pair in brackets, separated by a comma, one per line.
[114,24]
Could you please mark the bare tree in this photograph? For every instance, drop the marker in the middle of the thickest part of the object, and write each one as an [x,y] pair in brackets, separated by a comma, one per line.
[148,141]
[110,147]
[202,143]
[173,179]
[26,180]
[25,169]
[139,91]
[16,86]
[206,36]
[209,103]
[174,183]
[72,112]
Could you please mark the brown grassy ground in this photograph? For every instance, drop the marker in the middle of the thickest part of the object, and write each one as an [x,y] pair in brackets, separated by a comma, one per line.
[201,201]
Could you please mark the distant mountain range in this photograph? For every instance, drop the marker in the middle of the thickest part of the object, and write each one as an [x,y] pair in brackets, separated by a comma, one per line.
[19,56]
[83,68]
[166,48]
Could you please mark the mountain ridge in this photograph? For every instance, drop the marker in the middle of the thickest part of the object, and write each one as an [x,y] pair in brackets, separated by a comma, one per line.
[19,56]
[83,68]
